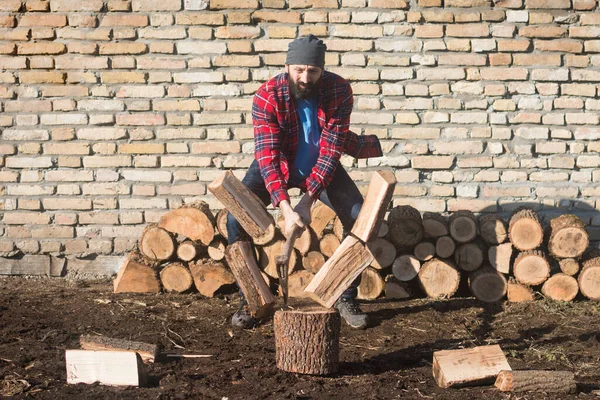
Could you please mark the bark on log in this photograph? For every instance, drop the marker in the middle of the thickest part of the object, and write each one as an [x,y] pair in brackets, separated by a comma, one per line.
[439,278]
[569,266]
[434,225]
[371,285]
[518,293]
[488,285]
[297,282]
[210,276]
[384,253]
[240,259]
[244,205]
[463,226]
[194,221]
[135,277]
[349,261]
[313,261]
[307,342]
[188,250]
[328,244]
[493,229]
[156,243]
[469,256]
[268,258]
[525,230]
[221,222]
[500,257]
[561,287]
[406,226]
[424,251]
[148,352]
[531,267]
[567,237]
[176,277]
[394,289]
[321,216]
[377,200]
[536,381]
[406,267]
[589,279]
[445,247]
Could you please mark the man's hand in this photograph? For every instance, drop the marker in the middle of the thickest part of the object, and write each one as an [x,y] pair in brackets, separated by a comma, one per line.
[303,208]
[291,218]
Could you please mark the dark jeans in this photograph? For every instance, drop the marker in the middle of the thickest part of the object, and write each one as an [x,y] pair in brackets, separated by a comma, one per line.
[342,196]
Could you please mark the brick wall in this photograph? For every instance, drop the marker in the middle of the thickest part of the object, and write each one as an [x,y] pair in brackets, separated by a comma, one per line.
[114,111]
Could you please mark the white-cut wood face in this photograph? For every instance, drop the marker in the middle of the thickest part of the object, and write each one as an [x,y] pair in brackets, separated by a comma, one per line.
[589,281]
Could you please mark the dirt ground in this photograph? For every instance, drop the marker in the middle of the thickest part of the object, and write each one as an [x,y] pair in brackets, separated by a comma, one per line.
[40,318]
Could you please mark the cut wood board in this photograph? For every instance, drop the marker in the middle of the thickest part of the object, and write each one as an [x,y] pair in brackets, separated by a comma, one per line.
[378,198]
[148,352]
[463,367]
[114,368]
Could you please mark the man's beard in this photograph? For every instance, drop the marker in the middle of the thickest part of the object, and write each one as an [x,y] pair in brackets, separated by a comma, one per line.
[305,91]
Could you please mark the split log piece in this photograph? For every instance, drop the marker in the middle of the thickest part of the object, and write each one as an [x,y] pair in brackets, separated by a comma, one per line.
[488,285]
[561,287]
[297,282]
[567,237]
[384,253]
[135,277]
[210,276]
[525,230]
[156,243]
[371,285]
[221,222]
[439,278]
[394,289]
[216,249]
[445,247]
[321,217]
[148,352]
[500,257]
[328,244]
[176,277]
[307,341]
[569,266]
[469,256]
[268,258]
[536,381]
[589,279]
[531,267]
[384,229]
[113,368]
[195,221]
[463,226]
[492,229]
[406,226]
[406,267]
[424,251]
[434,225]
[338,229]
[304,242]
[313,261]
[379,193]
[518,293]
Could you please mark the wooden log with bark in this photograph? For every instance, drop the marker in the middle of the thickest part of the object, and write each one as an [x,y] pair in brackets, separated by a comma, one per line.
[371,285]
[321,216]
[500,256]
[136,277]
[313,261]
[434,225]
[148,352]
[463,226]
[328,244]
[536,381]
[304,242]
[216,249]
[567,237]
[384,229]
[297,282]
[210,276]
[113,368]
[474,366]
[377,200]
[406,267]
[488,285]
[268,258]
[469,256]
[394,289]
[424,251]
[589,279]
[492,229]
[439,278]
[406,226]
[569,266]
[561,287]
[384,253]
[525,230]
[245,206]
[189,250]
[531,267]
[240,259]
[518,293]
[221,222]
[445,247]
[157,244]
[176,277]
[338,273]
[307,341]
[195,221]
[338,228]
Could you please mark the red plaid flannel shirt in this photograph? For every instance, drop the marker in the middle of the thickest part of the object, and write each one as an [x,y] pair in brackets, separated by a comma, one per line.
[276,126]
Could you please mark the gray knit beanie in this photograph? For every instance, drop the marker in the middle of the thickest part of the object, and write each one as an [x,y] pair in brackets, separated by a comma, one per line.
[308,50]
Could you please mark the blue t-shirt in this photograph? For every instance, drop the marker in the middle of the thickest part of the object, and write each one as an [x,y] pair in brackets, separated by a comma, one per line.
[308,141]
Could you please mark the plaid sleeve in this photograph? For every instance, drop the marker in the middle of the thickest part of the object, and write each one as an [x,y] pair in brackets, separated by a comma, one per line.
[332,138]
[267,145]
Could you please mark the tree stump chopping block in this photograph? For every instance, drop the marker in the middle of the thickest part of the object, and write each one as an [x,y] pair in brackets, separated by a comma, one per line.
[307,341]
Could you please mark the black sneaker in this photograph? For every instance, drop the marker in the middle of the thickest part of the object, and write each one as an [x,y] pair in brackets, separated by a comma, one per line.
[351,312]
[242,318]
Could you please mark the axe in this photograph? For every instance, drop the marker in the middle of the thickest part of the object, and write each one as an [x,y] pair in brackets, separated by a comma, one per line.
[282,261]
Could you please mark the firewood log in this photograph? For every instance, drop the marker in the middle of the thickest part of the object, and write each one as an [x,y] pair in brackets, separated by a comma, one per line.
[371,285]
[406,267]
[589,279]
[148,352]
[338,228]
[384,229]
[313,261]
[176,277]
[567,237]
[493,229]
[377,200]
[439,278]
[136,277]
[394,289]
[321,216]
[424,251]
[210,276]
[434,225]
[488,285]
[216,249]
[194,221]
[307,341]
[445,247]
[561,287]
[463,226]
[297,282]
[329,244]
[500,257]
[406,226]
[221,222]
[518,293]
[304,242]
[268,258]
[569,266]
[525,230]
[156,243]
[536,381]
[188,250]
[383,251]
[469,256]
[531,267]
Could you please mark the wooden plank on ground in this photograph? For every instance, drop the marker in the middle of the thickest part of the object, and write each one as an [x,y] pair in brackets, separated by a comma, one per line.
[148,352]
[115,368]
[463,367]
[338,273]
[378,198]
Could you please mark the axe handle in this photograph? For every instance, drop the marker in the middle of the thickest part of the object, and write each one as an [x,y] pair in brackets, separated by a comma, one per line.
[289,245]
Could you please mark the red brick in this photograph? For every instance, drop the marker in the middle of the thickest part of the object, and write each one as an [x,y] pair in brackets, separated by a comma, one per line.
[41,48]
[10,5]
[9,48]
[462,59]
[289,17]
[36,20]
[396,4]
[508,3]
[516,45]
[587,32]
[584,4]
[500,59]
[429,31]
[549,31]
[237,32]
[430,3]
[560,45]
[76,5]
[468,30]
[551,4]
[124,20]
[42,77]
[200,19]
[537,59]
[141,119]
[123,48]
[503,74]
[225,4]
[156,5]
[467,3]
[7,21]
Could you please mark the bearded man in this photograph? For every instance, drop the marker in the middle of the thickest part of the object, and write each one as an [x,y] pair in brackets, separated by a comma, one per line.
[301,124]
